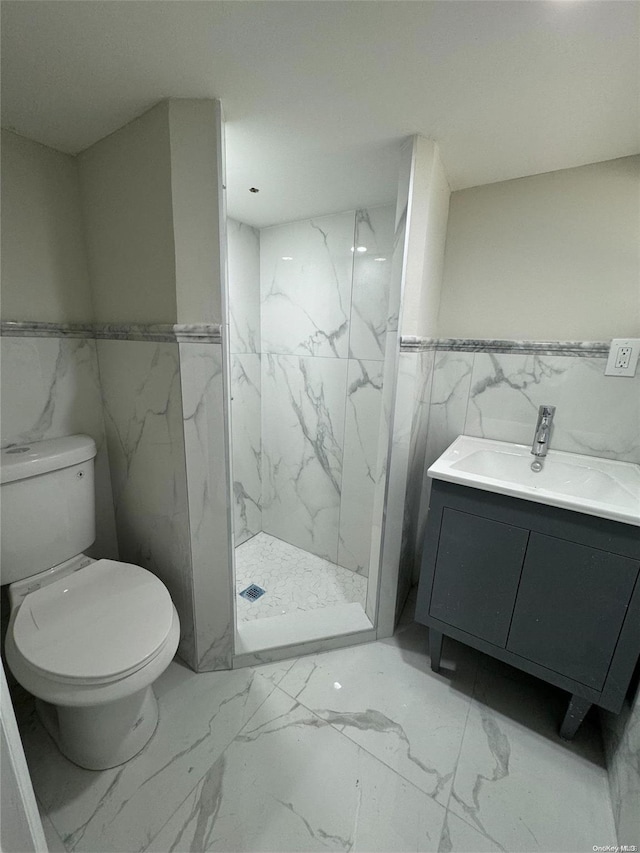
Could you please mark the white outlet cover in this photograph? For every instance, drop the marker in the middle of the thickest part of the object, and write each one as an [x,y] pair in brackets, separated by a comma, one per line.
[616,344]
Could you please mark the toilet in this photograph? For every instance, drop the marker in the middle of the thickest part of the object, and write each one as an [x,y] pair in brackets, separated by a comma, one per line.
[86,637]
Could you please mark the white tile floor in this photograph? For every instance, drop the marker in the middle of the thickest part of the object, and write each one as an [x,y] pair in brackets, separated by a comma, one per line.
[361,749]
[294,580]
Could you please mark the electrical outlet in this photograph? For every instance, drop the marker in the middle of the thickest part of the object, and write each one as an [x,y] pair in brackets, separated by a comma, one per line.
[623,357]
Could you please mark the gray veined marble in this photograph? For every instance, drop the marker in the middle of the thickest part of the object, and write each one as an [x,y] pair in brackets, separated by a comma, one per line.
[371,282]
[151,332]
[302,450]
[50,387]
[201,374]
[246,420]
[31,329]
[361,472]
[449,399]
[143,413]
[584,349]
[305,274]
[198,333]
[417,499]
[510,742]
[244,287]
[595,414]
[252,801]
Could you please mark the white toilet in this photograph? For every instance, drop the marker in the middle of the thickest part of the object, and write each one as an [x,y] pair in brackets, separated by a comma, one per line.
[86,637]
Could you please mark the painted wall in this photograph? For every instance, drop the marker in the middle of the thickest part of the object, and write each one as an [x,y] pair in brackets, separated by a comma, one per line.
[427,214]
[195,148]
[128,212]
[549,257]
[44,262]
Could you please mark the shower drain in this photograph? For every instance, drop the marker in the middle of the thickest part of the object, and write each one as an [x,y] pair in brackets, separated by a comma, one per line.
[252,592]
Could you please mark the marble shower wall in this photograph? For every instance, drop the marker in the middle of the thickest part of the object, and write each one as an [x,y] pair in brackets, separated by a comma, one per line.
[243,251]
[324,322]
[308,343]
[143,412]
[51,388]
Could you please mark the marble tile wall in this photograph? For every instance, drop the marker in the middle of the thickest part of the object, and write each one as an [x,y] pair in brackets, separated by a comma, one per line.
[243,258]
[416,509]
[305,286]
[143,411]
[246,413]
[323,320]
[303,414]
[51,388]
[201,373]
[497,396]
[243,251]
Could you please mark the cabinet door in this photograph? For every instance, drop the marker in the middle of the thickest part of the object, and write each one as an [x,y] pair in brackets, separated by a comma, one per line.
[570,608]
[476,576]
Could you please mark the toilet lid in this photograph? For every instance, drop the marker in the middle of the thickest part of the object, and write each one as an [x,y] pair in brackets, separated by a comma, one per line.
[100,622]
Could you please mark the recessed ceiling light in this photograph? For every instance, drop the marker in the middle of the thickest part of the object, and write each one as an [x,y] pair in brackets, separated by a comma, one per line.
[361,248]
[287,258]
[379,259]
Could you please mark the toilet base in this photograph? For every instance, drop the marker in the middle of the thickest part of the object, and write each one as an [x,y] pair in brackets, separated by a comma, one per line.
[102,736]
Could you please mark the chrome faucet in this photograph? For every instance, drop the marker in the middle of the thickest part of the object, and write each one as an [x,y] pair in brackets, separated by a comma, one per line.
[543,431]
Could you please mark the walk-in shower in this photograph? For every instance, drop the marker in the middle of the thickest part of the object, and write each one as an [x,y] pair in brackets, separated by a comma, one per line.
[308,316]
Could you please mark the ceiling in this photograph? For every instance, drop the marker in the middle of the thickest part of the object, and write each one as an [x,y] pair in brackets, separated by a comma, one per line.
[318,95]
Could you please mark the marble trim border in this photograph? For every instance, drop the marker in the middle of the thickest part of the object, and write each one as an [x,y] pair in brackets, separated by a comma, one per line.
[29,329]
[201,333]
[585,349]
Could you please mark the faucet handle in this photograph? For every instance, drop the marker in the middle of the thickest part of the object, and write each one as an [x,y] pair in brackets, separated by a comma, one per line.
[545,411]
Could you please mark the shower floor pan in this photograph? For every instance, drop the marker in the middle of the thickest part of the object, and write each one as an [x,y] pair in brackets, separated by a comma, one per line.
[306,597]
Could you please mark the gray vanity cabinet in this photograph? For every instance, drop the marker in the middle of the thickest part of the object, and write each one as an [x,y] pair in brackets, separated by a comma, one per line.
[475,588]
[551,591]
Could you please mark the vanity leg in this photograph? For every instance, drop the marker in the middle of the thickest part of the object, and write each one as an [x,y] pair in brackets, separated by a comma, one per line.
[435,648]
[576,712]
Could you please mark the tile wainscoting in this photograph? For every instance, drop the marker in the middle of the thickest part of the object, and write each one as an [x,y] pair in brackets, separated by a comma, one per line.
[152,398]
[51,388]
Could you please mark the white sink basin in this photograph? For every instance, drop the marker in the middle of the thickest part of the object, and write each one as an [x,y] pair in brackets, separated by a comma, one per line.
[586,484]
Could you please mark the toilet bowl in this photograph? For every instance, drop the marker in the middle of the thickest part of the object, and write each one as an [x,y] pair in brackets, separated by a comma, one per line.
[88,643]
[86,637]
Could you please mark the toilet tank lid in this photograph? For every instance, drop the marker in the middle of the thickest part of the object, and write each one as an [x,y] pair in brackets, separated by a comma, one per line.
[39,457]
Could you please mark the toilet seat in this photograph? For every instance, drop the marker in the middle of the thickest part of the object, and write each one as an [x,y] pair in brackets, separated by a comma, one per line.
[98,625]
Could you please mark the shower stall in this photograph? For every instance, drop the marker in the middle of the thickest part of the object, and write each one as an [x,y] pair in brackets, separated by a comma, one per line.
[308,313]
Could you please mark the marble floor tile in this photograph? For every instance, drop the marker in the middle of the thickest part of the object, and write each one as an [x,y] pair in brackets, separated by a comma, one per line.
[294,579]
[355,749]
[291,782]
[123,808]
[458,837]
[517,782]
[386,699]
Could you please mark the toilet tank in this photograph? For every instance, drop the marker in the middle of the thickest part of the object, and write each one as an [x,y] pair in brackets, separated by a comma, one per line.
[47,504]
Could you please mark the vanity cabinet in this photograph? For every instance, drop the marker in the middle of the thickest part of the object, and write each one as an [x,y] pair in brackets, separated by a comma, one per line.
[551,591]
